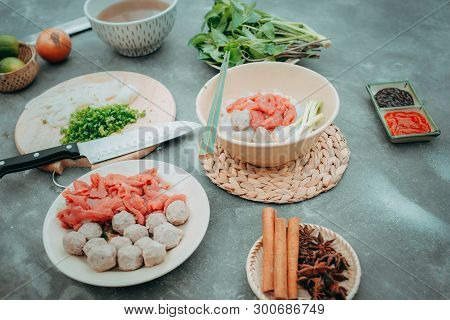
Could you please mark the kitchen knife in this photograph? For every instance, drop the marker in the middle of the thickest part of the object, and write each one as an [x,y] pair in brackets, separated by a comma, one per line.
[71,27]
[101,149]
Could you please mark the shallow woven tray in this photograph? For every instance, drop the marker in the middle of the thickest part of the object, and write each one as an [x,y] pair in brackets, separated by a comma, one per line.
[255,264]
[317,171]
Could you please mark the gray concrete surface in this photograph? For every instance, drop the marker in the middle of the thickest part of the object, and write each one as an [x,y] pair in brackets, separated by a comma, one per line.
[392,204]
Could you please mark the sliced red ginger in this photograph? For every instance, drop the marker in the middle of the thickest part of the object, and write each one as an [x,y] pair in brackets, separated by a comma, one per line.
[264,105]
[99,191]
[150,194]
[114,179]
[106,196]
[138,215]
[157,203]
[145,178]
[81,188]
[73,217]
[106,204]
[239,104]
[289,117]
[274,121]
[76,200]
[154,186]
[69,216]
[125,190]
[166,186]
[256,119]
[136,205]
[95,178]
[266,110]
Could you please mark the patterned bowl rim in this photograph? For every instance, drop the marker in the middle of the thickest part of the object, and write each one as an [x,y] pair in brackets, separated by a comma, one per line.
[91,18]
[31,60]
[258,245]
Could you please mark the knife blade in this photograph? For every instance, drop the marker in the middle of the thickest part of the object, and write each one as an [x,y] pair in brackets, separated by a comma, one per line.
[101,149]
[71,27]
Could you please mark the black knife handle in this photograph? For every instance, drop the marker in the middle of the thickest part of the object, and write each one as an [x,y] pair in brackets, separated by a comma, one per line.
[39,158]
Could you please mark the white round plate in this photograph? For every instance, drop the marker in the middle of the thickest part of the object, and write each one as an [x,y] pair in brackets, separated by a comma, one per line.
[194,229]
[255,264]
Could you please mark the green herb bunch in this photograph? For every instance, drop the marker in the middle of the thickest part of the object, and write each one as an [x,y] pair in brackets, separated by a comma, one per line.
[253,35]
[93,123]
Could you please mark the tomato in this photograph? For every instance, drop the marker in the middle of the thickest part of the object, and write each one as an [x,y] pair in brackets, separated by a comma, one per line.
[53,45]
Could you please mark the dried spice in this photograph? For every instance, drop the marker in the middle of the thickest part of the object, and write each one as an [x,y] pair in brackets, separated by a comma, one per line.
[393,97]
[321,267]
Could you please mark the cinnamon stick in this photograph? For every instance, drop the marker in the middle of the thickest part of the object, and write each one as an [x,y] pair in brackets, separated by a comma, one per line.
[268,226]
[292,256]
[280,260]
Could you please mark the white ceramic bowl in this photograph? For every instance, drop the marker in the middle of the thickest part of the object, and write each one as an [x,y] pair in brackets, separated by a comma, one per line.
[135,38]
[291,80]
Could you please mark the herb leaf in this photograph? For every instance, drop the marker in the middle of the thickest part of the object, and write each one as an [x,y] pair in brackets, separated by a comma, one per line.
[218,37]
[269,30]
[236,20]
[248,33]
[198,39]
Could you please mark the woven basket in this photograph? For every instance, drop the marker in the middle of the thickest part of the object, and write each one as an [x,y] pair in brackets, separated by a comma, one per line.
[255,264]
[19,79]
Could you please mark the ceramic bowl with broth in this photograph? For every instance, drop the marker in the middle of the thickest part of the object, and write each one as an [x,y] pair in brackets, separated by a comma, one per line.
[133,28]
[294,81]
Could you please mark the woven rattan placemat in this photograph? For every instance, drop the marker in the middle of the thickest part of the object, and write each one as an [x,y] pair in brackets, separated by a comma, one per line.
[317,171]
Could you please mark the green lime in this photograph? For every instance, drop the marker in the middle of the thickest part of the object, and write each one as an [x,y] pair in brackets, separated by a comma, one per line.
[9,46]
[10,64]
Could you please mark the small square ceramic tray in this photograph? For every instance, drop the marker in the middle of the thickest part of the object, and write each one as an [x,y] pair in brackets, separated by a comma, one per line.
[415,106]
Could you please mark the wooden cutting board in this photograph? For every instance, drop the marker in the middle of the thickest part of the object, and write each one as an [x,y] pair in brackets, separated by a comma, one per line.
[32,134]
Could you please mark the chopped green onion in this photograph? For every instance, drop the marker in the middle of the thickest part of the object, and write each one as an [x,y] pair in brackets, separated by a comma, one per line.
[92,123]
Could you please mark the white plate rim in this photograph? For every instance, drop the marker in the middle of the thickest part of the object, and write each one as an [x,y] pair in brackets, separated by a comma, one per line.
[201,229]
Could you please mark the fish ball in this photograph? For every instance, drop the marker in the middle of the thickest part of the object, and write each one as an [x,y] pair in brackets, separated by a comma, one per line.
[130,258]
[154,220]
[168,235]
[102,258]
[91,230]
[73,243]
[135,232]
[122,220]
[240,120]
[93,243]
[154,254]
[177,212]
[119,242]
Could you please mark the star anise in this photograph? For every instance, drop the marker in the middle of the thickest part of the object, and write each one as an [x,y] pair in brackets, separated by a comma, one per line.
[314,270]
[306,232]
[317,292]
[321,267]
[336,291]
[321,246]
[342,263]
[329,258]
[339,276]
